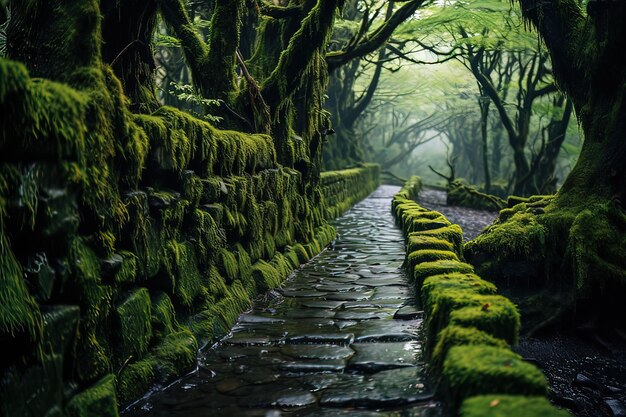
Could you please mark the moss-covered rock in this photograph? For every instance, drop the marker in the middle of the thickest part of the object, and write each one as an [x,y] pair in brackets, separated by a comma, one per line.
[429,269]
[478,369]
[463,195]
[469,328]
[429,255]
[459,336]
[495,405]
[98,400]
[133,324]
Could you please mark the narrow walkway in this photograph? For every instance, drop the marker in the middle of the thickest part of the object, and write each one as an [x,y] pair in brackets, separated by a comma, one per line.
[341,338]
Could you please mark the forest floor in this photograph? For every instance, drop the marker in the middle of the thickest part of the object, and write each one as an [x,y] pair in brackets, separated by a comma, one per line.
[586,369]
[341,337]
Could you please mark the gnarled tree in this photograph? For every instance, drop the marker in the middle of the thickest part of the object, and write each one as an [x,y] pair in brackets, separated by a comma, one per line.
[575,241]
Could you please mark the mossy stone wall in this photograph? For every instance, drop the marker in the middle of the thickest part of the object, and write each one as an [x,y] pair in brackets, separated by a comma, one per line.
[469,328]
[128,242]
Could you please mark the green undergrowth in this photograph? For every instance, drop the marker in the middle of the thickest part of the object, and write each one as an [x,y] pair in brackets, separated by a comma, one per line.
[469,327]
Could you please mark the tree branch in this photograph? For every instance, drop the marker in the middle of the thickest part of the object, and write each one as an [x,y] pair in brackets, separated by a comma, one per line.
[376,39]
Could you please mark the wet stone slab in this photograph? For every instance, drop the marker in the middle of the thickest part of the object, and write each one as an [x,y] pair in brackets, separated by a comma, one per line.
[340,338]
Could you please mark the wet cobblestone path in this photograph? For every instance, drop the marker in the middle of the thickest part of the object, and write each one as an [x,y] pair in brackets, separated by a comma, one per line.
[342,337]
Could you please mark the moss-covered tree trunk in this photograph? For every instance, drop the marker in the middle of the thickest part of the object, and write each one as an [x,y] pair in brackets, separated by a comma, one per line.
[575,241]
[127,32]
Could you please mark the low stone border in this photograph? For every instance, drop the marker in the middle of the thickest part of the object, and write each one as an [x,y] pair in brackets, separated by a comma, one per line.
[342,189]
[469,327]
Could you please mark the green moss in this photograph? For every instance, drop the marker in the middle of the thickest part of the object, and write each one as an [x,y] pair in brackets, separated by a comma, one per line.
[265,276]
[596,247]
[421,224]
[418,242]
[460,336]
[342,189]
[270,246]
[410,190]
[428,269]
[205,326]
[500,319]
[98,400]
[209,238]
[454,281]
[133,326]
[128,271]
[509,406]
[19,312]
[429,255]
[141,234]
[181,268]
[95,299]
[292,258]
[135,379]
[452,234]
[280,263]
[521,236]
[228,309]
[163,315]
[176,354]
[475,370]
[245,265]
[192,188]
[228,265]
[301,253]
[93,357]
[493,314]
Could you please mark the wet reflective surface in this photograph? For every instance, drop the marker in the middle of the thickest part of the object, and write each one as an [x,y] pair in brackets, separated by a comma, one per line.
[342,337]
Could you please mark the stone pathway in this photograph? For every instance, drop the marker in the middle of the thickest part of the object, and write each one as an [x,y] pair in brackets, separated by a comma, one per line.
[342,337]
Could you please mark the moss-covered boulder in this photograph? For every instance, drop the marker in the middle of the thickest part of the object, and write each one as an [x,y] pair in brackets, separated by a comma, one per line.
[509,406]
[478,369]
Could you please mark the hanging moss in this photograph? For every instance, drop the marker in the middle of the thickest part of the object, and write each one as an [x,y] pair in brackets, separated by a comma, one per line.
[95,299]
[132,324]
[163,317]
[19,313]
[245,267]
[128,270]
[230,307]
[265,276]
[135,379]
[181,268]
[228,266]
[173,356]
